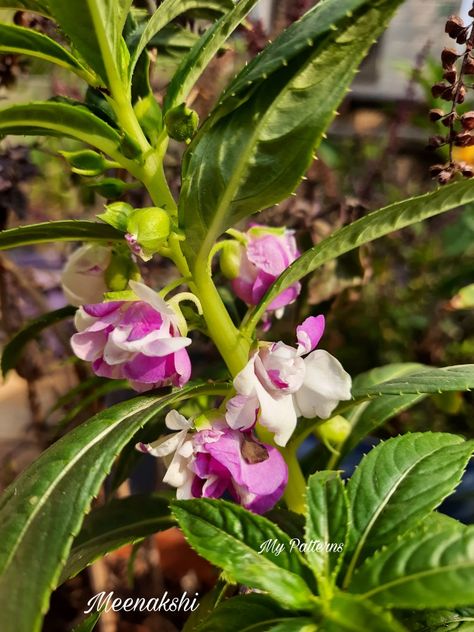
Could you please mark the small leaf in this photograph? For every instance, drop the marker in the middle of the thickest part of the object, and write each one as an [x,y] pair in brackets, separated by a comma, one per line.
[363,231]
[62,230]
[345,613]
[24,41]
[327,524]
[14,348]
[431,570]
[231,537]
[121,521]
[399,483]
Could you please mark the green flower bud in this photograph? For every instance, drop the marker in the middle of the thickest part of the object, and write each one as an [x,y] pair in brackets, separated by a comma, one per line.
[119,272]
[111,188]
[85,162]
[334,431]
[230,259]
[149,228]
[181,123]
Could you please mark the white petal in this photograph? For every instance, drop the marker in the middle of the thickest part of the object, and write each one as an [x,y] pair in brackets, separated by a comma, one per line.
[241,411]
[176,421]
[326,383]
[245,381]
[178,471]
[148,295]
[166,445]
[278,415]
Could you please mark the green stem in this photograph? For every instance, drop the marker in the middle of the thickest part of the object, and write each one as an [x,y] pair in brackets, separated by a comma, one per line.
[233,347]
[295,492]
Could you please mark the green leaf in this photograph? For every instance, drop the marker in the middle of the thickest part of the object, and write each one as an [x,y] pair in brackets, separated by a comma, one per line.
[345,613]
[327,523]
[231,537]
[89,623]
[62,230]
[49,118]
[166,12]
[16,345]
[194,64]
[413,475]
[254,148]
[363,231]
[95,29]
[121,521]
[302,624]
[432,570]
[23,41]
[245,613]
[368,415]
[38,6]
[428,380]
[42,510]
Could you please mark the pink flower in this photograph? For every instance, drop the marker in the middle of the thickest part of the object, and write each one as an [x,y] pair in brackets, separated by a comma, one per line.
[269,251]
[218,460]
[135,340]
[278,385]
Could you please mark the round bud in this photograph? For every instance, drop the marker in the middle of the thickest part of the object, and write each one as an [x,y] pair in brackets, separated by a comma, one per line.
[85,162]
[335,430]
[149,227]
[230,259]
[181,123]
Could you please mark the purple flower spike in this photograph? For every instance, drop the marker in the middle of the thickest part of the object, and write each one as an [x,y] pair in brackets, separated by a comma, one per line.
[135,340]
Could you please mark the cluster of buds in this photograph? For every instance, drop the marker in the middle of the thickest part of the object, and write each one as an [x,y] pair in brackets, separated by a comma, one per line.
[456,66]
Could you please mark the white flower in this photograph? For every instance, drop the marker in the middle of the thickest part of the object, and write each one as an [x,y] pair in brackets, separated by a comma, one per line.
[83,278]
[277,385]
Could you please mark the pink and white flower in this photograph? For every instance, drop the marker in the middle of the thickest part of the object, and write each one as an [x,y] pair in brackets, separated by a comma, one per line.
[135,340]
[83,276]
[278,385]
[217,461]
[268,252]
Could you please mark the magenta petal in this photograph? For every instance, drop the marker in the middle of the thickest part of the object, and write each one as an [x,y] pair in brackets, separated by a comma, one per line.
[143,319]
[102,309]
[89,345]
[310,332]
[286,297]
[182,366]
[148,370]
[269,254]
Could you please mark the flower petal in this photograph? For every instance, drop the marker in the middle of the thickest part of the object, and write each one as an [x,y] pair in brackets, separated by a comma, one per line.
[278,415]
[309,333]
[241,412]
[326,383]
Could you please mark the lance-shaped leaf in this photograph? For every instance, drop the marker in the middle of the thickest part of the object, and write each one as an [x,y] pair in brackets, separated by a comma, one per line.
[89,623]
[94,27]
[363,231]
[15,347]
[327,524]
[166,13]
[431,570]
[23,41]
[38,6]
[234,539]
[62,230]
[121,521]
[346,613]
[399,483]
[368,415]
[253,150]
[194,64]
[42,510]
[428,380]
[51,118]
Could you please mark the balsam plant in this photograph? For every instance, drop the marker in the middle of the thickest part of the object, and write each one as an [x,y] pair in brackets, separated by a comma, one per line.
[381,550]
